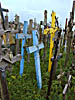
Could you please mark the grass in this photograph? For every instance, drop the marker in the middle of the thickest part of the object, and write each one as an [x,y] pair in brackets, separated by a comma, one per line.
[25,87]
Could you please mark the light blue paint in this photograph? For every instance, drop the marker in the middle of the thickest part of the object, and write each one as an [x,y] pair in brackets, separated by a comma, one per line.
[35,48]
[23,36]
[22,49]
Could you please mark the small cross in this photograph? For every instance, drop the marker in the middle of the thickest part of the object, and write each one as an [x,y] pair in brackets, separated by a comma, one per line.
[1,11]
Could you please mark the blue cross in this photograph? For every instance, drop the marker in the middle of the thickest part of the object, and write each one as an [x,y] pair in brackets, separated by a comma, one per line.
[35,48]
[23,36]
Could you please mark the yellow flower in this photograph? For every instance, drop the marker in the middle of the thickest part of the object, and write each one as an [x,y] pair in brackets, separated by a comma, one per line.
[14,77]
[9,83]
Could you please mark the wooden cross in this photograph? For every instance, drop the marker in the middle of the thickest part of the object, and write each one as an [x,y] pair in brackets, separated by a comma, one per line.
[1,11]
[69,33]
[24,36]
[5,60]
[52,31]
[54,65]
[3,84]
[35,48]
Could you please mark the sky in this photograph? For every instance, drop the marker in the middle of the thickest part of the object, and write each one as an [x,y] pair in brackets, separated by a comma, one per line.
[30,9]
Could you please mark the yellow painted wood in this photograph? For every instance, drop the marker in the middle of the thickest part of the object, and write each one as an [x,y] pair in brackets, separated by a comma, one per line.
[4,38]
[52,31]
[11,39]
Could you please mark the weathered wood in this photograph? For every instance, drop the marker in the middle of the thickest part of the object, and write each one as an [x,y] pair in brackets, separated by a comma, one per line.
[60,75]
[66,87]
[53,68]
[17,27]
[0,46]
[35,24]
[69,38]
[35,48]
[30,28]
[1,11]
[40,32]
[45,36]
[4,89]
[23,37]
[13,60]
[65,32]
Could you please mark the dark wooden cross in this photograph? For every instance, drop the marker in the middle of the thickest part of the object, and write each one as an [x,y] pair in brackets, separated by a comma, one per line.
[1,11]
[54,65]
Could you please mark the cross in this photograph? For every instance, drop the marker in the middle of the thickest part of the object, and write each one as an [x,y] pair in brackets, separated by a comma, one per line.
[5,60]
[51,31]
[54,64]
[35,48]
[24,36]
[1,11]
[8,35]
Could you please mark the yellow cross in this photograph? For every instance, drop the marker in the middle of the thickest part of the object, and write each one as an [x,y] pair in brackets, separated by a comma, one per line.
[52,31]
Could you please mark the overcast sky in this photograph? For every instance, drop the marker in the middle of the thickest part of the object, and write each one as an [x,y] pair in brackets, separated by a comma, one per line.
[27,9]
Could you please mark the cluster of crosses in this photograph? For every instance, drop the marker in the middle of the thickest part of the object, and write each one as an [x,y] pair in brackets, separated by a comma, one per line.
[52,35]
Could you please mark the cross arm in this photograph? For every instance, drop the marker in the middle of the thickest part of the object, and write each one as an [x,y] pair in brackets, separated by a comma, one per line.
[14,59]
[50,30]
[22,36]
[2,32]
[5,10]
[34,48]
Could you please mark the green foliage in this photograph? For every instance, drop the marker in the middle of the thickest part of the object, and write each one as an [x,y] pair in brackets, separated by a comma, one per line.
[25,87]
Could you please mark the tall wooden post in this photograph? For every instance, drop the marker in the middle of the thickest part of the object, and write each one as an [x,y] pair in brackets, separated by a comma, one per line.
[6,27]
[30,28]
[35,23]
[17,26]
[40,32]
[0,36]
[69,32]
[65,33]
[45,36]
